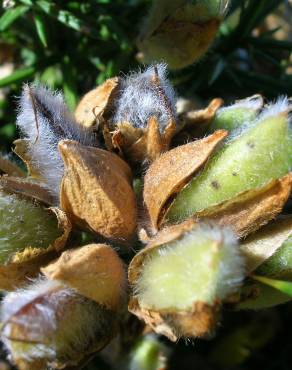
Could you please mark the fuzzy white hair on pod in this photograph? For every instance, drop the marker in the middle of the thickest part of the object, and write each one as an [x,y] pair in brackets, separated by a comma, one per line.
[143,95]
[254,103]
[44,119]
[280,106]
[184,271]
[11,307]
[14,301]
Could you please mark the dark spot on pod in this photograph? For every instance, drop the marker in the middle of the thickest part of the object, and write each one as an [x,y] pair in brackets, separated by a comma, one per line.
[215,184]
[251,144]
[234,174]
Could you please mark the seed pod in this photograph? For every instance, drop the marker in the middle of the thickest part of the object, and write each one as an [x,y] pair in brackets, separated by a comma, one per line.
[44,120]
[73,268]
[30,237]
[180,279]
[136,114]
[52,324]
[243,169]
[252,209]
[238,114]
[180,32]
[144,118]
[260,154]
[168,174]
[96,191]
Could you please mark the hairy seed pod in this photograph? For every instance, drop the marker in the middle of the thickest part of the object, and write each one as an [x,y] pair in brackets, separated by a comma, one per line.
[252,159]
[144,117]
[30,237]
[180,32]
[180,279]
[53,323]
[135,114]
[240,113]
[96,191]
[172,170]
[44,120]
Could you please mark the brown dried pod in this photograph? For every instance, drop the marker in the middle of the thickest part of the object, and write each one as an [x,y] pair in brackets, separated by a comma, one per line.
[172,171]
[96,102]
[31,236]
[60,321]
[96,191]
[81,268]
[180,278]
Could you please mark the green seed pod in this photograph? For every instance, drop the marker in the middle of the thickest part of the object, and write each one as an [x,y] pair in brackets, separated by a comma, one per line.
[256,155]
[238,114]
[30,236]
[180,32]
[268,254]
[180,279]
[54,323]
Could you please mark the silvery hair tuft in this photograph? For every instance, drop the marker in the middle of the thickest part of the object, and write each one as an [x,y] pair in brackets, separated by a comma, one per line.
[44,120]
[146,94]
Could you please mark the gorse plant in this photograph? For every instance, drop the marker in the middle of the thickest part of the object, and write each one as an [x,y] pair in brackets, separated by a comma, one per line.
[192,203]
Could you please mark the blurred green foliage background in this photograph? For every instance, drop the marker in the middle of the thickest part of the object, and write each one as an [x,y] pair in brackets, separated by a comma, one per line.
[75,45]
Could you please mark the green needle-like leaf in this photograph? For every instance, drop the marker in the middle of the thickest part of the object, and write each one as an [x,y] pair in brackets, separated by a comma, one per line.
[41,29]
[19,75]
[11,15]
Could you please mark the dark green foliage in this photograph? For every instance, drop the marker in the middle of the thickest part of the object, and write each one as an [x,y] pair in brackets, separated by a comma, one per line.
[74,45]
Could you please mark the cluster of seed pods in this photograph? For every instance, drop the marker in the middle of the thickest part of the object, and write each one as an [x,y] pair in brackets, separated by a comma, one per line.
[199,196]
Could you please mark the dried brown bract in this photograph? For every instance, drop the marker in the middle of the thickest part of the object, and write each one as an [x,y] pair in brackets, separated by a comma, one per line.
[96,103]
[82,268]
[250,210]
[172,171]
[96,191]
